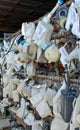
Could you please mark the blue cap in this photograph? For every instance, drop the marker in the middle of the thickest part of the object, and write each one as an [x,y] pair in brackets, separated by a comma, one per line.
[60,1]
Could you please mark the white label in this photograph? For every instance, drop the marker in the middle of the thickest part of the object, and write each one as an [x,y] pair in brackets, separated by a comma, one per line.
[63,51]
[40,31]
[73,16]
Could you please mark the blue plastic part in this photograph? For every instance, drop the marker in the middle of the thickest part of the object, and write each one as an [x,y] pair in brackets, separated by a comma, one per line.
[22,42]
[4,35]
[60,1]
[61,10]
[44,46]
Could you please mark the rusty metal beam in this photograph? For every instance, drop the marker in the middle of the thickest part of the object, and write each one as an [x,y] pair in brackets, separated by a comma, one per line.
[4,12]
[21,14]
[7,29]
[24,6]
[27,6]
[31,2]
[2,18]
[14,34]
[7,12]
[10,21]
[58,36]
[56,78]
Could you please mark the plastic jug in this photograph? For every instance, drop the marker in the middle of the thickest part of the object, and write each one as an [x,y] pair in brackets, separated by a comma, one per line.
[78,118]
[72,22]
[43,33]
[52,53]
[28,31]
[71,18]
[15,95]
[29,120]
[75,54]
[37,125]
[76,25]
[50,93]
[22,109]
[58,124]
[21,87]
[43,109]
[57,101]
[76,111]
[64,54]
[37,98]
[31,69]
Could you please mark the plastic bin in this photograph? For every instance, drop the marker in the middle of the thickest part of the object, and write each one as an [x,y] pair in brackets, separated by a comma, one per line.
[77,128]
[67,97]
